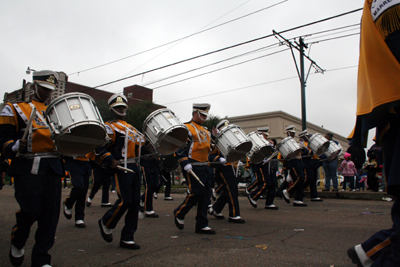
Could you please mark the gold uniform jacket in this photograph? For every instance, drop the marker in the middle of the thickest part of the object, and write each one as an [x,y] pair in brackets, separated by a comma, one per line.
[199,146]
[125,140]
[13,120]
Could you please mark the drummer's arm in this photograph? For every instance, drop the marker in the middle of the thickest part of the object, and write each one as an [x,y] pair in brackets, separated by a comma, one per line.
[103,152]
[182,153]
[215,155]
[9,125]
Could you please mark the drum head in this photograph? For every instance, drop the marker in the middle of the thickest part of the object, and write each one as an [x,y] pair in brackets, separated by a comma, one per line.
[82,139]
[239,152]
[169,162]
[172,141]
[323,148]
[261,154]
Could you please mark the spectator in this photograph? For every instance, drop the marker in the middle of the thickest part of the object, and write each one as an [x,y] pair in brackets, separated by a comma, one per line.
[330,166]
[358,156]
[349,170]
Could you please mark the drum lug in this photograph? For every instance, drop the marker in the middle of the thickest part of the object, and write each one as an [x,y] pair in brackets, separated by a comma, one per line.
[158,130]
[54,130]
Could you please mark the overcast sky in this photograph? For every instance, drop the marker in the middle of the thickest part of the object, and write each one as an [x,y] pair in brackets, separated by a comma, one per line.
[83,38]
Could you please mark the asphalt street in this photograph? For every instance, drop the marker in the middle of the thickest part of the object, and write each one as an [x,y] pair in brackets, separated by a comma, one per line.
[317,235]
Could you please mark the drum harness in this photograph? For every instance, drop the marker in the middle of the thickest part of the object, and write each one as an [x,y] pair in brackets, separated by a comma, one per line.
[139,137]
[29,130]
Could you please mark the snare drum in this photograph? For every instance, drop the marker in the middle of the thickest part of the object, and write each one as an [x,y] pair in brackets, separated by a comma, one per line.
[233,143]
[289,148]
[261,148]
[333,151]
[318,143]
[75,124]
[165,131]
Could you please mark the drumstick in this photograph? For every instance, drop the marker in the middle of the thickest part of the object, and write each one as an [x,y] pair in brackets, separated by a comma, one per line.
[195,176]
[125,169]
[273,155]
[206,163]
[28,125]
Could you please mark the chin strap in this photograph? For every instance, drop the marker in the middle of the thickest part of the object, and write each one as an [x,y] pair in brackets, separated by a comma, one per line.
[37,93]
[118,113]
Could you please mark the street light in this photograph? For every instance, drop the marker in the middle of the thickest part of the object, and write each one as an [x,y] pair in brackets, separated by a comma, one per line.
[29,70]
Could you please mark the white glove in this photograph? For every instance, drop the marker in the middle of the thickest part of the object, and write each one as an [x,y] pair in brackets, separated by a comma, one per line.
[222,160]
[15,147]
[188,167]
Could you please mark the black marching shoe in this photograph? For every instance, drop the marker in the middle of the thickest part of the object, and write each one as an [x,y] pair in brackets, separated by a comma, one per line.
[206,230]
[105,233]
[286,196]
[128,244]
[16,261]
[67,212]
[252,202]
[351,252]
[88,202]
[298,203]
[236,220]
[212,212]
[179,223]
[152,215]
[317,199]
[271,207]
[80,224]
[106,205]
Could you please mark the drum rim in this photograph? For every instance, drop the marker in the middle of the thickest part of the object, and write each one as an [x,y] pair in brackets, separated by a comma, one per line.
[62,97]
[151,115]
[229,127]
[76,124]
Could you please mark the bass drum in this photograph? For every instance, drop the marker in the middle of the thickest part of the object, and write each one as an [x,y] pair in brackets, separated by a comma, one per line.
[169,163]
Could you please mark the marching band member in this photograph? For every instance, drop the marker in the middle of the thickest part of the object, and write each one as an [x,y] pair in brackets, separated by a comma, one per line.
[378,107]
[311,164]
[197,151]
[125,146]
[102,179]
[226,175]
[264,180]
[37,171]
[79,170]
[296,170]
[151,172]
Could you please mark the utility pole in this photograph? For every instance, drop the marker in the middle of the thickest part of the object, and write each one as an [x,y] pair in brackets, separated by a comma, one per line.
[300,47]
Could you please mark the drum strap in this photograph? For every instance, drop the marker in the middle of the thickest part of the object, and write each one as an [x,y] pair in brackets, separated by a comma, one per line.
[197,132]
[138,136]
[126,148]
[25,118]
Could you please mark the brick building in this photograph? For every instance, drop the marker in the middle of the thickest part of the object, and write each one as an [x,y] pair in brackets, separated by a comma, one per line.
[135,93]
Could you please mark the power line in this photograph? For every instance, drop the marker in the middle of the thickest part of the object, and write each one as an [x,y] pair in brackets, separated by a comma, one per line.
[208,65]
[254,85]
[244,54]
[229,47]
[202,74]
[180,39]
